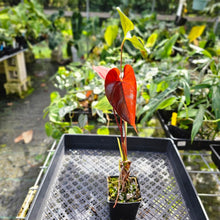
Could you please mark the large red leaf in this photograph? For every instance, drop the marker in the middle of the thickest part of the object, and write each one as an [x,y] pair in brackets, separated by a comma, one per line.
[122,93]
[101,70]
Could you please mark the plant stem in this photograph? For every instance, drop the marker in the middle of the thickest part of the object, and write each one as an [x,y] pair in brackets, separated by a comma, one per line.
[122,126]
[122,45]
[125,138]
[123,178]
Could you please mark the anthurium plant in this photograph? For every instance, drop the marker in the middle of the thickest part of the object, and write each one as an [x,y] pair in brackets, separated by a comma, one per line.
[121,92]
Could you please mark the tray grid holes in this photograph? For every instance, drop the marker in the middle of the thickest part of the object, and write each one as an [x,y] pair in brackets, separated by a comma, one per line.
[80,191]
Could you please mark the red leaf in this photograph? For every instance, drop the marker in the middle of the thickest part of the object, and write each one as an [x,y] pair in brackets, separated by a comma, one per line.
[101,70]
[122,93]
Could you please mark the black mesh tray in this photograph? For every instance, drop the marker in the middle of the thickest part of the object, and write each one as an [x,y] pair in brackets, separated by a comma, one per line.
[182,138]
[75,187]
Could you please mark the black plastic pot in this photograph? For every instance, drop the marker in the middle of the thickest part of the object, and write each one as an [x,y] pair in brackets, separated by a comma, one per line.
[181,137]
[125,210]
[21,42]
[2,53]
[8,50]
[179,21]
[74,115]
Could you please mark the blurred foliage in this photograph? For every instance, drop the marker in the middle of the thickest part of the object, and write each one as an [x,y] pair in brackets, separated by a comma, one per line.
[159,6]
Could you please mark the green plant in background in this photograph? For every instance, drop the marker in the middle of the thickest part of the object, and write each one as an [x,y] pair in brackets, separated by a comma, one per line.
[26,19]
[83,30]
[167,89]
[175,61]
[205,98]
[76,107]
[55,36]
[174,87]
[193,95]
[77,28]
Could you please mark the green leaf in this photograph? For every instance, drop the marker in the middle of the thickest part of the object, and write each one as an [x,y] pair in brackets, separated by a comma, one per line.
[103,105]
[187,113]
[206,53]
[154,102]
[4,11]
[166,50]
[101,118]
[110,34]
[82,120]
[216,102]
[201,86]
[167,102]
[103,130]
[54,96]
[152,40]
[213,68]
[126,23]
[75,130]
[161,86]
[67,109]
[137,42]
[187,92]
[169,45]
[48,129]
[197,122]
[89,127]
[56,134]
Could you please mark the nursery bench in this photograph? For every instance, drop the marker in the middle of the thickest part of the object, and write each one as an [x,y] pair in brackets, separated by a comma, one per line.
[16,74]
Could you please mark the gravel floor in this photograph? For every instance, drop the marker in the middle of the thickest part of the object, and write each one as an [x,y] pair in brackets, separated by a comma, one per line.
[19,162]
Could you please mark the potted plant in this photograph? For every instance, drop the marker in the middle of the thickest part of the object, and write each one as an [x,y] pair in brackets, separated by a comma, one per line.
[55,36]
[190,99]
[121,90]
[25,23]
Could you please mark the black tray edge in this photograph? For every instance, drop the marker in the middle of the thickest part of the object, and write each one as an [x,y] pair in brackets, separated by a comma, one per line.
[215,148]
[192,200]
[48,178]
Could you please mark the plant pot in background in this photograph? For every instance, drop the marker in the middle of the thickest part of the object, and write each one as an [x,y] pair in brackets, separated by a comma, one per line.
[57,55]
[2,53]
[199,4]
[21,42]
[174,131]
[182,137]
[124,210]
[179,20]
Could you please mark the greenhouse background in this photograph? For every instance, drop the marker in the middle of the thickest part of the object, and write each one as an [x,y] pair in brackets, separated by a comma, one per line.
[49,86]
